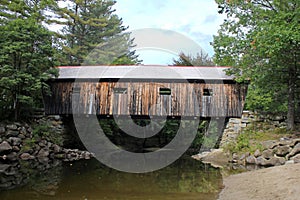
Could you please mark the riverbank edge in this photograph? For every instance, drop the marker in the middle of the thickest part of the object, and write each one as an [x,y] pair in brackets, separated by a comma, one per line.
[278,182]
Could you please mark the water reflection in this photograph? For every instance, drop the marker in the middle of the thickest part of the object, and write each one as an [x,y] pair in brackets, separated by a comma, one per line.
[184,179]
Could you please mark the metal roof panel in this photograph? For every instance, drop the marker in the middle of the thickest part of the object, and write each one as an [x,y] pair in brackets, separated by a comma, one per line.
[144,72]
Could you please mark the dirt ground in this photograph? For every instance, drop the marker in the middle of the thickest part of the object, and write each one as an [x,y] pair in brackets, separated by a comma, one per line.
[274,183]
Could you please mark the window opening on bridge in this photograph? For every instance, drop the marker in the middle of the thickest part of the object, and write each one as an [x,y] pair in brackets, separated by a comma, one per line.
[120,90]
[76,89]
[207,92]
[164,91]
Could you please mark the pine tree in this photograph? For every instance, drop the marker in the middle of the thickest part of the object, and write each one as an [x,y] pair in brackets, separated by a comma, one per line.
[201,59]
[94,35]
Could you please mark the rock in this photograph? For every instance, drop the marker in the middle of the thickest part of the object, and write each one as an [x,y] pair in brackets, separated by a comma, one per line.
[282,150]
[282,160]
[295,142]
[29,130]
[87,156]
[234,120]
[43,159]
[56,117]
[23,130]
[18,124]
[296,158]
[2,129]
[270,144]
[4,146]
[43,153]
[16,148]
[3,167]
[12,127]
[41,144]
[21,136]
[235,157]
[274,161]
[14,141]
[56,148]
[251,160]
[244,156]
[216,157]
[294,151]
[289,162]
[286,141]
[26,156]
[12,156]
[257,153]
[261,161]
[11,133]
[267,154]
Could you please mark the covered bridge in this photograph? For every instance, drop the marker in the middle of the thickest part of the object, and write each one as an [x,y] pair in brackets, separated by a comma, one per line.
[144,91]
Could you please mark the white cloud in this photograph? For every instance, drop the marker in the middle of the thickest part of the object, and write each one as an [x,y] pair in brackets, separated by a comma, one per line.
[197,19]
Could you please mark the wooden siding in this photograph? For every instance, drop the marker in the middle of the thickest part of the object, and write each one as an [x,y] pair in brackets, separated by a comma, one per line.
[144,99]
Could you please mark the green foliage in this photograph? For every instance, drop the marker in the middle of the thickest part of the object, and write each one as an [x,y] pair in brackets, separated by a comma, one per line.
[44,130]
[252,136]
[26,56]
[201,59]
[28,145]
[260,39]
[261,100]
[93,35]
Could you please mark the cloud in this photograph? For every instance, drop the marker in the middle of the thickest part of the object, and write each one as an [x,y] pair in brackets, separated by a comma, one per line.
[197,19]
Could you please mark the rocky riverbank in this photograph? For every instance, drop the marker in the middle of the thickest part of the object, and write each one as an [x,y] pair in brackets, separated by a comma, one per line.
[20,141]
[272,153]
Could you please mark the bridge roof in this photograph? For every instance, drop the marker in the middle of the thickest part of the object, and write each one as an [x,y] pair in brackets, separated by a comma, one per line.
[144,72]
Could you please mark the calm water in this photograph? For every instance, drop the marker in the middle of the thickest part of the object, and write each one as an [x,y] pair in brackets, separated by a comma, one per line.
[89,180]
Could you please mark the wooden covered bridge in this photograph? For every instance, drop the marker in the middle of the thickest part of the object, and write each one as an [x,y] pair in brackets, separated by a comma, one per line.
[144,91]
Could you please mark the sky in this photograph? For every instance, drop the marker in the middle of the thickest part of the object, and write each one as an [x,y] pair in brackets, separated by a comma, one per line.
[196,20]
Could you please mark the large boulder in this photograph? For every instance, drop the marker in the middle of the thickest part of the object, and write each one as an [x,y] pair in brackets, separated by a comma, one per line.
[26,156]
[257,153]
[270,144]
[296,158]
[12,127]
[294,151]
[2,129]
[15,141]
[261,161]
[216,157]
[282,150]
[267,154]
[251,160]
[12,133]
[5,146]
[44,152]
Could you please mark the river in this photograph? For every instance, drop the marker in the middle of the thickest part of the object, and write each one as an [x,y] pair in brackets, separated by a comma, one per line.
[90,180]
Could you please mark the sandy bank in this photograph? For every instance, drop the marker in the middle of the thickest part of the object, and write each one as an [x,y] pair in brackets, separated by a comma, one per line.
[274,183]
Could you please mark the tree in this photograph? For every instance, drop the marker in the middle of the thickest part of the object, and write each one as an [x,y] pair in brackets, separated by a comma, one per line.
[26,55]
[94,35]
[261,40]
[201,59]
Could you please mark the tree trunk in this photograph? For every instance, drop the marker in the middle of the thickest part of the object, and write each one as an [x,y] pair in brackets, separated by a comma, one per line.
[291,98]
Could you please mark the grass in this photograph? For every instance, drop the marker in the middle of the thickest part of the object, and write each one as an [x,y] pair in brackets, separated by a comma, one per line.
[251,137]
